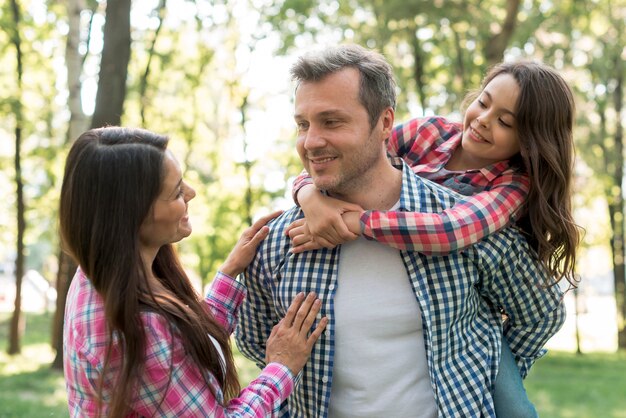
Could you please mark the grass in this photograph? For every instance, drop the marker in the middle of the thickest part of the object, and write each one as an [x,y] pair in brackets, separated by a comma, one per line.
[566,385]
[28,386]
[561,385]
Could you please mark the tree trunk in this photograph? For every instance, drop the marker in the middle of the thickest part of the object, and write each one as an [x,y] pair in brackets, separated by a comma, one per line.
[74,61]
[247,164]
[113,65]
[16,320]
[77,124]
[67,267]
[143,83]
[418,69]
[620,276]
[494,49]
[619,272]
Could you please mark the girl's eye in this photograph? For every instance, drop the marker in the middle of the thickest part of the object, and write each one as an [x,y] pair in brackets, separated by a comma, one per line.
[481,103]
[505,124]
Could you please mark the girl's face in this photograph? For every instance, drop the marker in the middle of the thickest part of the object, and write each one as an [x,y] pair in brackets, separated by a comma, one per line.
[168,221]
[489,127]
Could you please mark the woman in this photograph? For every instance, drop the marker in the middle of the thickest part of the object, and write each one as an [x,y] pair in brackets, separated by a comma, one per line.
[138,340]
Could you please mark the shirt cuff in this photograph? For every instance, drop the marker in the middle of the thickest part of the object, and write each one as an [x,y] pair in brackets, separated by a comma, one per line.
[226,291]
[281,377]
[366,230]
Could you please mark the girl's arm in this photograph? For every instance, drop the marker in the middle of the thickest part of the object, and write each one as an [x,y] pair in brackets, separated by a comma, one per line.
[323,225]
[460,226]
[329,222]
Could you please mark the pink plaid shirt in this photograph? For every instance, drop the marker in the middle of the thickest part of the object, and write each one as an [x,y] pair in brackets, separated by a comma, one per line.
[170,385]
[494,193]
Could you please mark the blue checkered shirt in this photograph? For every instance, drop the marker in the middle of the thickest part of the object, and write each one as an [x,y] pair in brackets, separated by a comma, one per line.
[461,296]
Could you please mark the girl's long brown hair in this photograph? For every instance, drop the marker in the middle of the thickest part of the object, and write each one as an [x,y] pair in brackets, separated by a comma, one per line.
[545,118]
[112,177]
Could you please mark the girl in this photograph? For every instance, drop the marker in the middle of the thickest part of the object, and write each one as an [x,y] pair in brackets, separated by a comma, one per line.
[512,157]
[138,341]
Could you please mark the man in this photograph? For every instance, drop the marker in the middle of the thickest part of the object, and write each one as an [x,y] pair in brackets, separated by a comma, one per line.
[408,335]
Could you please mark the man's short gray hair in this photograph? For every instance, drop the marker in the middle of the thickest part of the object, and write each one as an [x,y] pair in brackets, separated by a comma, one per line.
[378,85]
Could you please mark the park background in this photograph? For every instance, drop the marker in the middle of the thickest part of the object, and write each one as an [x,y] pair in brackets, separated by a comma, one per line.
[214,76]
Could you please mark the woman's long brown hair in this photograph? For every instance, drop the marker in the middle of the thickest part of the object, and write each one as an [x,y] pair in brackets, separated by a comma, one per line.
[545,118]
[112,177]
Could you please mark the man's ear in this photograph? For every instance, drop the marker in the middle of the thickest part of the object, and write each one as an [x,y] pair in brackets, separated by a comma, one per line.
[387,118]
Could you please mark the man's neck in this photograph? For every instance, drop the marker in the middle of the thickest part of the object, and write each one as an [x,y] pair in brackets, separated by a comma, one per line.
[380,191]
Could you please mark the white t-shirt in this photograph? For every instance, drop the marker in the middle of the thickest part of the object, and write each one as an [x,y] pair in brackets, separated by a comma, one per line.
[380,367]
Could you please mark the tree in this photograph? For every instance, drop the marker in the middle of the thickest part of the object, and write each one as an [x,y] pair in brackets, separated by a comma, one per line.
[78,122]
[109,109]
[599,44]
[14,338]
[114,65]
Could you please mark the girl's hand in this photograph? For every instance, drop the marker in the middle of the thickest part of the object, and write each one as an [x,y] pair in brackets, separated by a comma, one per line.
[302,240]
[292,340]
[324,223]
[245,249]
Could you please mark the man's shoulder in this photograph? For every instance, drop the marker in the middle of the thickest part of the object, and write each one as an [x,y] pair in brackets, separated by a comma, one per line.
[509,243]
[286,218]
[278,226]
[422,195]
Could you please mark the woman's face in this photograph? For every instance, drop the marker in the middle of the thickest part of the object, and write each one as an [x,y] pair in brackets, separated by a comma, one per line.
[168,221]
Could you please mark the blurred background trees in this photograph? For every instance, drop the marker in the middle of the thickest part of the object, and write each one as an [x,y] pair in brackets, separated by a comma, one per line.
[214,76]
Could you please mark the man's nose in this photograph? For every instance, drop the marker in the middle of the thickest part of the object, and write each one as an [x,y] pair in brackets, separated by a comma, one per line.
[314,138]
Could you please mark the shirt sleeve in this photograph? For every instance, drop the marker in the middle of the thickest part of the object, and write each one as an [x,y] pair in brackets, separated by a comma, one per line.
[302,180]
[224,298]
[172,385]
[515,281]
[413,141]
[462,225]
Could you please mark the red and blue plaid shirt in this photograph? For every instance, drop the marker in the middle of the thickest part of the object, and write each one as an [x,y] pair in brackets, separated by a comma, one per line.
[170,385]
[494,195]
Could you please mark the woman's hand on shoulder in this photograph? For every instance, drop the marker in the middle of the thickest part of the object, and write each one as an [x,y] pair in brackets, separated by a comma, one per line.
[245,249]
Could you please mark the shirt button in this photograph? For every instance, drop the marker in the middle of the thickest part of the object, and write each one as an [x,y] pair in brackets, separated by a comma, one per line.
[325,379]
[327,333]
[331,287]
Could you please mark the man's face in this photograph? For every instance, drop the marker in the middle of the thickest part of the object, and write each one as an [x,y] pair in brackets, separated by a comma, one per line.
[335,142]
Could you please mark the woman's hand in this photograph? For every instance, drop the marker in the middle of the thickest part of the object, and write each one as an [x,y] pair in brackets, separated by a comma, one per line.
[245,249]
[292,340]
